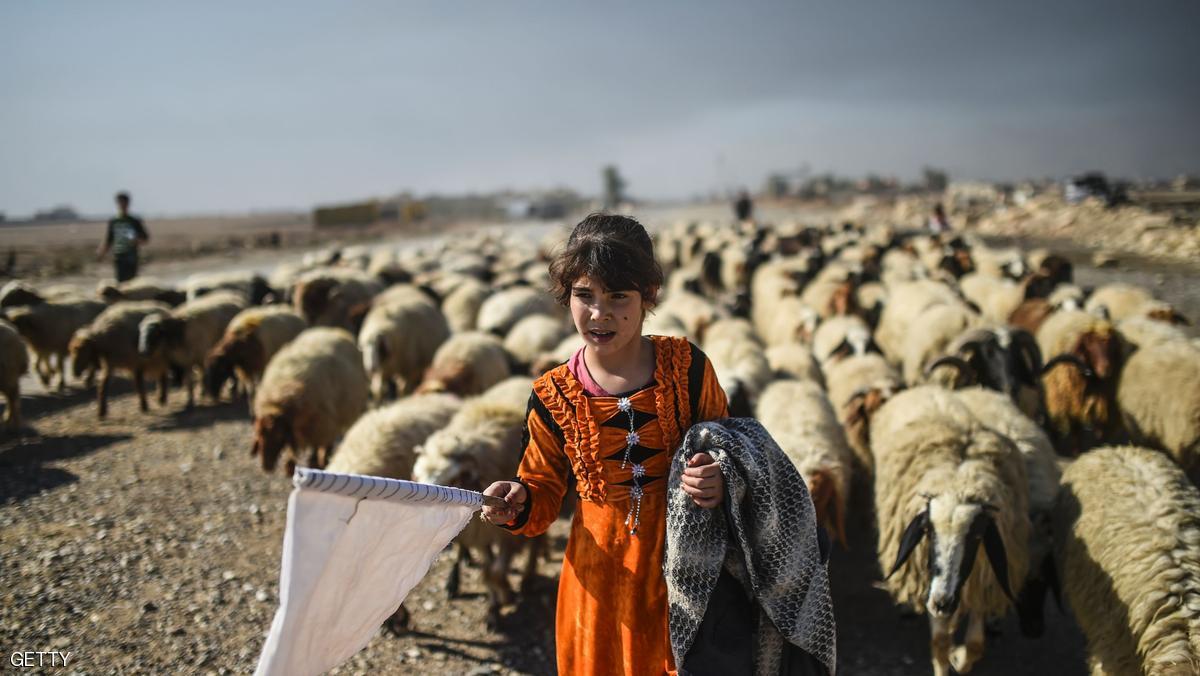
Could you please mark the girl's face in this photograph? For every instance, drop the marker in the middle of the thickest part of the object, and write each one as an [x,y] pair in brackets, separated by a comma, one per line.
[609,321]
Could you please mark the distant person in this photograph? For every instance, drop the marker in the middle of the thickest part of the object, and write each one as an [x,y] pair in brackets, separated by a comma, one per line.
[743,208]
[125,234]
[937,222]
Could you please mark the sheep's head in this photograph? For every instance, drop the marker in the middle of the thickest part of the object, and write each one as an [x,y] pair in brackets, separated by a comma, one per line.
[157,332]
[738,395]
[109,293]
[857,342]
[313,296]
[457,469]
[955,529]
[1100,348]
[84,355]
[272,434]
[843,300]
[17,293]
[999,359]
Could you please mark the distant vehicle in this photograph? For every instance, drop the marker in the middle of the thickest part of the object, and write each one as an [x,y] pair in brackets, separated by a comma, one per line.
[1095,184]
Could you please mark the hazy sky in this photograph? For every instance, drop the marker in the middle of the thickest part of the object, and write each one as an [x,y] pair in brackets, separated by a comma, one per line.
[230,106]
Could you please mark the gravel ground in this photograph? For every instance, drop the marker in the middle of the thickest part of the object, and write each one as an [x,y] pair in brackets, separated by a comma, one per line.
[150,543]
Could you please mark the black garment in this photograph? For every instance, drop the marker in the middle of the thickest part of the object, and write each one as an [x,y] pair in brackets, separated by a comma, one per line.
[743,208]
[124,233]
[125,266]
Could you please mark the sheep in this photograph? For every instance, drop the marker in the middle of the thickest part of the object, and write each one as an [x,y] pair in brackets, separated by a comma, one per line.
[1159,398]
[1082,360]
[1032,312]
[461,305]
[334,296]
[946,485]
[997,299]
[998,412]
[1127,538]
[398,339]
[801,420]
[694,311]
[48,326]
[251,285]
[831,291]
[858,388]
[659,323]
[502,310]
[1140,332]
[738,360]
[481,444]
[771,283]
[561,352]
[793,361]
[513,391]
[794,322]
[141,288]
[997,358]
[840,337]
[1118,301]
[466,364]
[18,294]
[110,342]
[384,442]
[253,336]
[14,362]
[906,301]
[311,392]
[185,335]
[532,337]
[938,326]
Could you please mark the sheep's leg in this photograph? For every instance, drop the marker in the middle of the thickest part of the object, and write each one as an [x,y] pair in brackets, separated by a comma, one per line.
[965,656]
[454,579]
[139,384]
[12,417]
[494,603]
[398,623]
[42,366]
[941,634]
[62,372]
[497,571]
[536,547]
[189,379]
[162,389]
[102,391]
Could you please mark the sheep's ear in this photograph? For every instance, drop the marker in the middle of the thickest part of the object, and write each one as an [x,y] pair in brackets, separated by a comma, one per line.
[912,537]
[993,545]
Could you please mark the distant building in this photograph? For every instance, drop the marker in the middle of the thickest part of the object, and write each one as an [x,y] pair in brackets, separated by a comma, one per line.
[59,213]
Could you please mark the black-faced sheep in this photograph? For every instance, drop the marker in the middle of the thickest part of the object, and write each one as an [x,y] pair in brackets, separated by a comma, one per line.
[946,487]
[186,334]
[1127,532]
[110,342]
[312,391]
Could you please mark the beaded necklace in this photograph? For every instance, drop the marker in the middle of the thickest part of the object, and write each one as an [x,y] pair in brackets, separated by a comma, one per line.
[634,518]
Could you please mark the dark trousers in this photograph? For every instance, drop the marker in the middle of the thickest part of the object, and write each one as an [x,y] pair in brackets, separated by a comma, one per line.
[125,266]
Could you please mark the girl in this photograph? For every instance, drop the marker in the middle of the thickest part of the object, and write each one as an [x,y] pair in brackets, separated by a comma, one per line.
[612,417]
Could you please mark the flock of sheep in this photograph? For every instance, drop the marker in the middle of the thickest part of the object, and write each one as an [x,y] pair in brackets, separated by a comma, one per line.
[979,400]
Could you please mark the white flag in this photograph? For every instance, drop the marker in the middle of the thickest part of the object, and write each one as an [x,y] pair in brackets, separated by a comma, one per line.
[353,549]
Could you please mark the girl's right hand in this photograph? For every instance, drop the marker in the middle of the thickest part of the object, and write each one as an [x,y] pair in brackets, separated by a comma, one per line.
[511,492]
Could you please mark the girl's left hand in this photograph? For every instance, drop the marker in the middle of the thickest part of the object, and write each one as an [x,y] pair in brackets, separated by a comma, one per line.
[702,479]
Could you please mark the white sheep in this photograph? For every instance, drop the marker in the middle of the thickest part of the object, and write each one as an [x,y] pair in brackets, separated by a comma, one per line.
[858,387]
[398,339]
[312,391]
[794,361]
[383,442]
[466,364]
[252,337]
[906,302]
[1127,533]
[532,337]
[48,326]
[480,445]
[999,412]
[741,367]
[186,334]
[14,362]
[840,337]
[461,305]
[1138,332]
[110,342]
[1159,397]
[945,487]
[801,420]
[502,310]
[794,322]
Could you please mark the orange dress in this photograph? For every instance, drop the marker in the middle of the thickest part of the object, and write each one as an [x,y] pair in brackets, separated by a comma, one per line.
[612,599]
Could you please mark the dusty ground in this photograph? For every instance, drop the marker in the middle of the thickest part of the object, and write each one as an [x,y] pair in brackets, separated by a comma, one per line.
[150,543]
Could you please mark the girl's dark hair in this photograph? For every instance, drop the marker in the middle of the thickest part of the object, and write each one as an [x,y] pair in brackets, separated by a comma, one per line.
[616,250]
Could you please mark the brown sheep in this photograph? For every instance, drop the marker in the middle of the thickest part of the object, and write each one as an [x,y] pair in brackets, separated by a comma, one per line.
[111,342]
[1082,355]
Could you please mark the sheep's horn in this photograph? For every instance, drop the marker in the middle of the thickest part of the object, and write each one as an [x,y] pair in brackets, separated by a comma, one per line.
[949,360]
[1072,360]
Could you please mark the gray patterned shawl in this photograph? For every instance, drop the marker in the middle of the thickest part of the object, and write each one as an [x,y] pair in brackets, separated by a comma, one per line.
[770,546]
